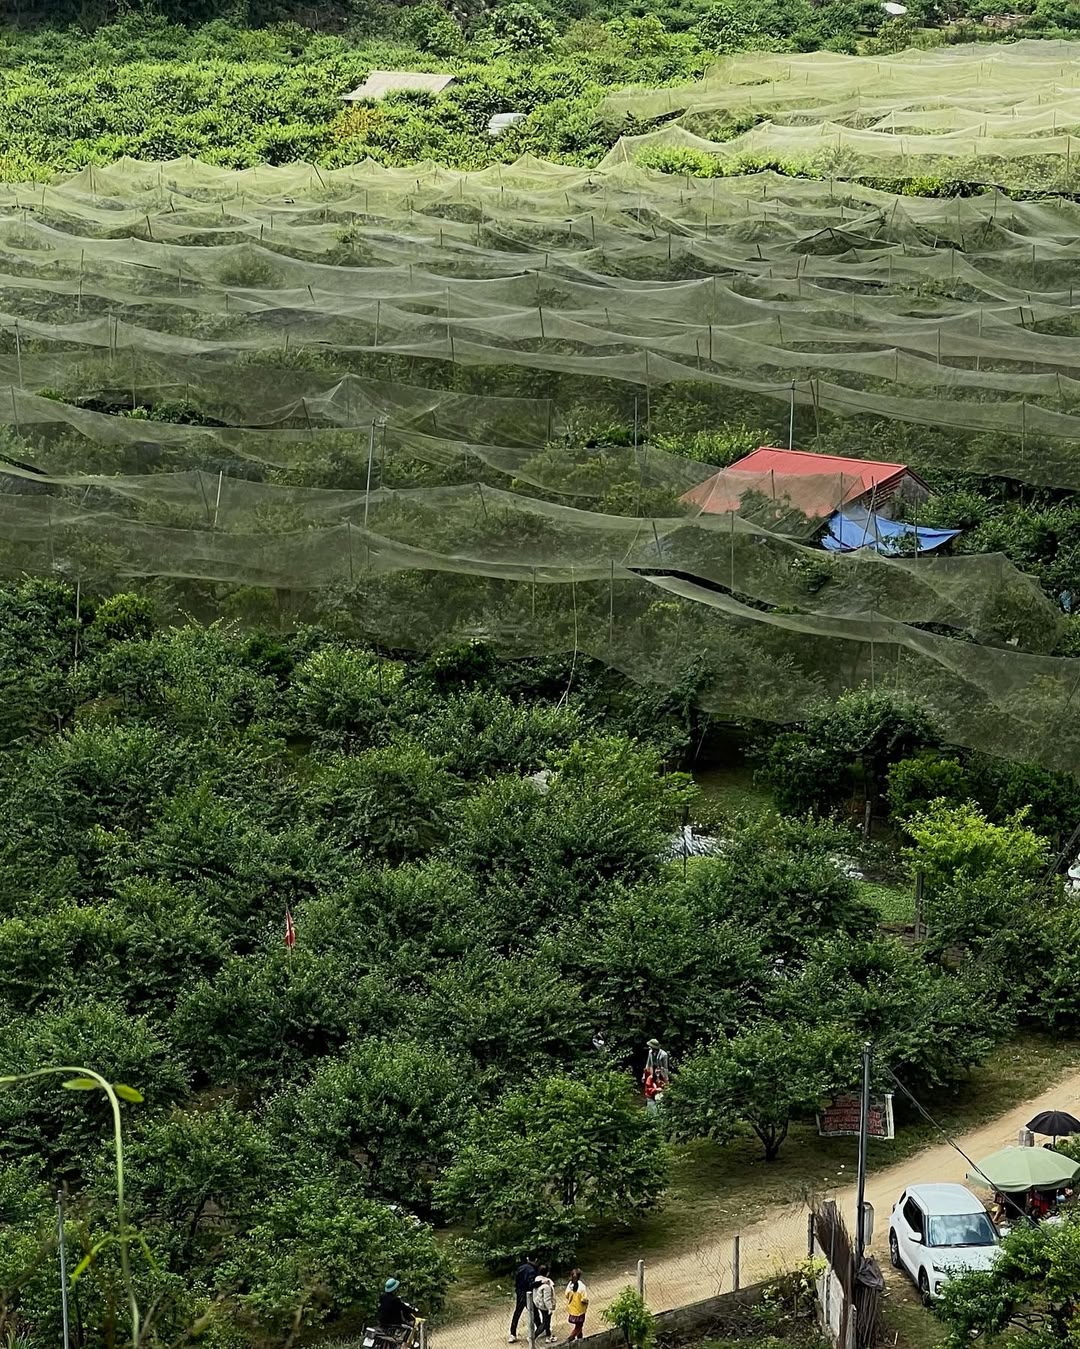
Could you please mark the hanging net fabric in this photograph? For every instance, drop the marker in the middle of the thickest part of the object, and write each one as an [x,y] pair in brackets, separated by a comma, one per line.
[427,406]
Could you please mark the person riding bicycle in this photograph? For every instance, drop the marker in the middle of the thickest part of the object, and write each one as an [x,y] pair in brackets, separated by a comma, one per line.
[394,1314]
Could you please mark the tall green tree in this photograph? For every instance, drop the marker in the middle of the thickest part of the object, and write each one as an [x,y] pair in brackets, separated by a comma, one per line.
[550,1162]
[389,1114]
[764,1077]
[316,1249]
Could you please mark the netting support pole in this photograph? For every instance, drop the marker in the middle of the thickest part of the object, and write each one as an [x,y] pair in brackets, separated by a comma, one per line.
[217,501]
[648,401]
[378,321]
[348,529]
[611,607]
[78,302]
[18,353]
[735,1261]
[732,586]
[791,419]
[78,608]
[370,457]
[15,410]
[864,1134]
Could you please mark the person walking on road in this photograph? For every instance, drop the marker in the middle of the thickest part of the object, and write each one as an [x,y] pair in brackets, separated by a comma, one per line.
[544,1302]
[577,1303]
[524,1281]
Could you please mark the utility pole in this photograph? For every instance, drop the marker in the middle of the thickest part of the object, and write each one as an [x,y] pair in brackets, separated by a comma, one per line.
[864,1136]
[63,1266]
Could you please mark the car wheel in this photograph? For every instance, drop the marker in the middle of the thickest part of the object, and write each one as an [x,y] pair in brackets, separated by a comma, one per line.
[924,1288]
[894,1251]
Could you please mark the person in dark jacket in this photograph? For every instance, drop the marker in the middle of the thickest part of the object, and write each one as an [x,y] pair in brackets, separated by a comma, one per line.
[393,1312]
[524,1283]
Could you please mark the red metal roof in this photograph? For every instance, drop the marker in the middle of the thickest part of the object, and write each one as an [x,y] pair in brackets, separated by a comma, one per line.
[816,484]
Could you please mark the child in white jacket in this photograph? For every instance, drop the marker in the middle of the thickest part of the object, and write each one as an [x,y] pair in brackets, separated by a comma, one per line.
[544,1302]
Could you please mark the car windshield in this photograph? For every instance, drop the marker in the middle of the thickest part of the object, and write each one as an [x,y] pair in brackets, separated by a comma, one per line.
[962,1229]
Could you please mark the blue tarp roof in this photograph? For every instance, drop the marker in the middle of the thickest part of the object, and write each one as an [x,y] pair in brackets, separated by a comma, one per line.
[858,528]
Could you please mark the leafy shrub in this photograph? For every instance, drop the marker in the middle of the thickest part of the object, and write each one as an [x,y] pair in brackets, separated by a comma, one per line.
[915,783]
[629,1315]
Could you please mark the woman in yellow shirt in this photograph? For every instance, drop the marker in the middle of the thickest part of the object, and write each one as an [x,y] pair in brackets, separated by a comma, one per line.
[577,1302]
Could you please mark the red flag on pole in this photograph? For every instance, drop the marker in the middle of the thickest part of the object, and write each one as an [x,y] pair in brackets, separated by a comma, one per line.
[290,931]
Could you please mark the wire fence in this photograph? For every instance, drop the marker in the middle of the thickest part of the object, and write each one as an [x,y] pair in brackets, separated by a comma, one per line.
[762,1251]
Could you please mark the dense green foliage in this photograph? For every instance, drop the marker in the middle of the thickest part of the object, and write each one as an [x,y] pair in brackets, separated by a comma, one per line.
[1030,1299]
[465,927]
[869,747]
[154,89]
[476,853]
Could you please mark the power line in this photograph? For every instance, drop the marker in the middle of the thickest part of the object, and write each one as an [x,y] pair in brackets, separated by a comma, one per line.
[956,1146]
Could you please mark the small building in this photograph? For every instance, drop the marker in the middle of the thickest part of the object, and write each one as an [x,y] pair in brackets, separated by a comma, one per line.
[382,82]
[814,485]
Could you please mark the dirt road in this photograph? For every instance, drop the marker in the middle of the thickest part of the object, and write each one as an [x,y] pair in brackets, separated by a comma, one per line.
[778,1239]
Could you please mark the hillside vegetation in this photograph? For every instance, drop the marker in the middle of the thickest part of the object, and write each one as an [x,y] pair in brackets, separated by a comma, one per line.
[153,89]
[336,514]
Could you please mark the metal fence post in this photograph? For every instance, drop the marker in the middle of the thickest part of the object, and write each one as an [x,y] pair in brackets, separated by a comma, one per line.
[641,1279]
[62,1243]
[735,1261]
[810,1235]
[530,1312]
[423,1335]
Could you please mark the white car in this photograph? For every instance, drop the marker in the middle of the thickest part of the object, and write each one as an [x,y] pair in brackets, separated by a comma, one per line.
[938,1230]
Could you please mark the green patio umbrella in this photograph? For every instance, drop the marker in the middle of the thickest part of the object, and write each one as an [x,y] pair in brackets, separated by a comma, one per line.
[1014,1169]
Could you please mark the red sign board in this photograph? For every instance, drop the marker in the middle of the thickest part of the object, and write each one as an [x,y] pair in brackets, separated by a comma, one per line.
[842,1117]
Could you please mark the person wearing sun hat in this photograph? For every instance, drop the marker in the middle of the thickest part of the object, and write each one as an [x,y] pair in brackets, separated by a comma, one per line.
[393,1312]
[658,1064]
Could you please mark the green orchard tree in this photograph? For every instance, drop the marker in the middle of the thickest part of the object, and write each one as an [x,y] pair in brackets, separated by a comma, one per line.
[765,1077]
[547,1164]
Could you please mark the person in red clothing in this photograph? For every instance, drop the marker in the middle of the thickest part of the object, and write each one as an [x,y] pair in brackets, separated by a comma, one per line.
[651,1090]
[1038,1205]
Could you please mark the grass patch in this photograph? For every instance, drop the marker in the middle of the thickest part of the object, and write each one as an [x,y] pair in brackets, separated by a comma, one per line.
[731,789]
[895,903]
[906,1322]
